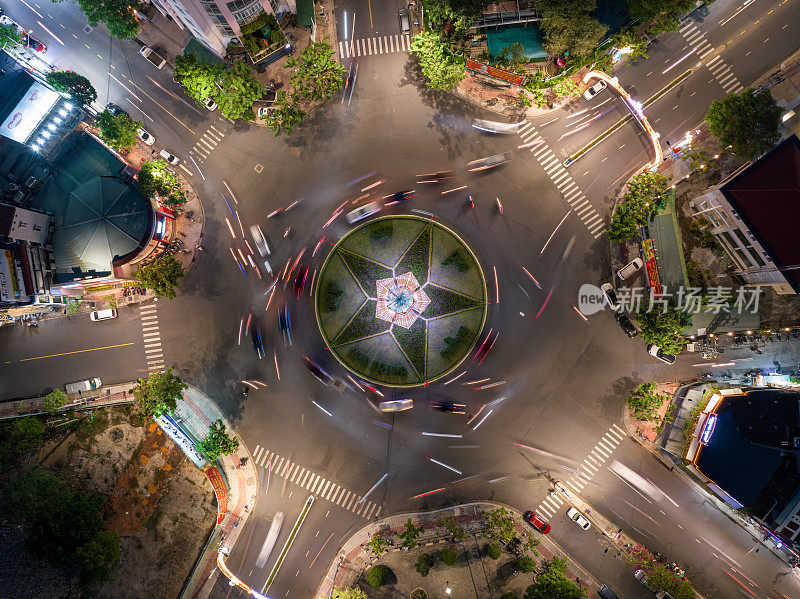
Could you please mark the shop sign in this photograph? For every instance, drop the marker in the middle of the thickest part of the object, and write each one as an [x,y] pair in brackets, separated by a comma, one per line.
[652,266]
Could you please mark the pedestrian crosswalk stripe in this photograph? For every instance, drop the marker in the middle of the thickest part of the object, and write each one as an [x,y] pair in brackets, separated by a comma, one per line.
[588,216]
[257,453]
[599,451]
[694,36]
[322,493]
[616,435]
[559,179]
[714,60]
[610,440]
[574,487]
[305,478]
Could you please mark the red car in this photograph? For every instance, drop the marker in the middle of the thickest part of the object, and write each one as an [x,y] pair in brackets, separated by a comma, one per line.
[539,524]
[300,281]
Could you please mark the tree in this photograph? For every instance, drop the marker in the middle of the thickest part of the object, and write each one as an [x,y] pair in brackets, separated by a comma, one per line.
[157,394]
[663,328]
[410,535]
[449,556]
[161,275]
[441,69]
[697,156]
[747,121]
[424,564]
[459,14]
[569,26]
[643,199]
[635,44]
[644,403]
[118,131]
[513,58]
[352,593]
[457,533]
[287,115]
[156,179]
[552,584]
[20,436]
[499,525]
[315,74]
[96,557]
[77,86]
[197,78]
[239,89]
[526,564]
[218,442]
[54,400]
[659,14]
[377,544]
[377,576]
[493,550]
[116,15]
[9,36]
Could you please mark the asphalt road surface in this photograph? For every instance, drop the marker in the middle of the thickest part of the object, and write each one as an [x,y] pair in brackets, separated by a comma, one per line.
[562,377]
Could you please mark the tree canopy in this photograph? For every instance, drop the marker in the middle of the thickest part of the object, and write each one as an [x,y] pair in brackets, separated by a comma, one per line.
[287,115]
[568,25]
[118,131]
[217,442]
[156,179]
[239,90]
[352,593]
[116,15]
[644,403]
[157,394]
[659,15]
[499,525]
[377,576]
[9,36]
[458,13]
[20,436]
[424,564]
[410,534]
[748,122]
[196,77]
[552,584]
[77,86]
[315,74]
[644,197]
[161,275]
[54,400]
[440,68]
[664,329]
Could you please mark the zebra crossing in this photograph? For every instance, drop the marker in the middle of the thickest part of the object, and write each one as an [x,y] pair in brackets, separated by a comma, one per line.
[721,71]
[387,44]
[586,471]
[151,336]
[561,178]
[328,490]
[206,143]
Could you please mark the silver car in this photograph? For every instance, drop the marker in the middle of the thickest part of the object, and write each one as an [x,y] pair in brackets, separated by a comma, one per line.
[261,241]
[363,212]
[396,405]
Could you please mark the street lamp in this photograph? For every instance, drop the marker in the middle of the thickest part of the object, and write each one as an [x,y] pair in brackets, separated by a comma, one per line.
[447,588]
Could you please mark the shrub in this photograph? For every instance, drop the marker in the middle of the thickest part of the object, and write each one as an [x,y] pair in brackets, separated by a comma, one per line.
[449,556]
[377,576]
[526,564]
[510,595]
[493,551]
[424,564]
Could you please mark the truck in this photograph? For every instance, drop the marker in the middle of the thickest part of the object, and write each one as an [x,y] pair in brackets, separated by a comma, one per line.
[153,56]
[80,387]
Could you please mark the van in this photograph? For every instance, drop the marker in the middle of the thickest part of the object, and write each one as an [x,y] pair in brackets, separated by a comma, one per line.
[80,387]
[103,314]
[405,24]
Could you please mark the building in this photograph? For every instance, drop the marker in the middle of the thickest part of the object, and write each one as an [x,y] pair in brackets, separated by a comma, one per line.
[215,23]
[755,215]
[745,447]
[26,265]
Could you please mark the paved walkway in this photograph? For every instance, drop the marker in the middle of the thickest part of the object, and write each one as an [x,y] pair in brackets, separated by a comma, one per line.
[105,397]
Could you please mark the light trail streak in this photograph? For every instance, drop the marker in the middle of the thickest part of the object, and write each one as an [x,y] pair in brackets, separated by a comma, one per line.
[456,378]
[199,171]
[442,435]
[383,478]
[249,384]
[124,86]
[680,60]
[546,300]
[275,357]
[497,384]
[162,108]
[461,480]
[549,122]
[543,452]
[383,424]
[241,324]
[229,205]
[426,493]
[368,187]
[549,239]
[456,189]
[497,480]
[443,465]
[50,32]
[496,285]
[316,247]
[527,272]
[229,191]
[321,408]
[578,312]
[474,428]
[230,228]
[173,95]
[241,227]
[355,382]
[480,380]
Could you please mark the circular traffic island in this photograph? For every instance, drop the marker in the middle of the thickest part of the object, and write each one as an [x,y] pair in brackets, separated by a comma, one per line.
[401,300]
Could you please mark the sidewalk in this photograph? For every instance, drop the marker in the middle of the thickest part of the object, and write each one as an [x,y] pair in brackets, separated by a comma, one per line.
[353,557]
[195,414]
[106,396]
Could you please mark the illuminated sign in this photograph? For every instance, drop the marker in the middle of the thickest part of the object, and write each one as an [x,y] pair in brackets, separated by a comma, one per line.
[708,429]
[493,72]
[220,490]
[652,266]
[29,112]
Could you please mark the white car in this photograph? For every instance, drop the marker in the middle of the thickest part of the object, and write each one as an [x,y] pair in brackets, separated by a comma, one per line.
[576,517]
[103,314]
[210,104]
[363,212]
[611,297]
[169,157]
[659,354]
[261,241]
[630,268]
[146,137]
[594,90]
[396,405]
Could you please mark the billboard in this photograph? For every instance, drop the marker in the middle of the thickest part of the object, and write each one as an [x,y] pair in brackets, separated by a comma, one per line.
[29,112]
[494,72]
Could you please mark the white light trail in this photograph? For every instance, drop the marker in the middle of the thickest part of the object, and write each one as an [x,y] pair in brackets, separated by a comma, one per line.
[549,239]
[482,419]
[680,60]
[321,408]
[443,465]
[442,435]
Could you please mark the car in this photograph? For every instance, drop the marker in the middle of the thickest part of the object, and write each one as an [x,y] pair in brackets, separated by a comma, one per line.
[210,104]
[657,353]
[626,324]
[578,518]
[300,281]
[488,162]
[606,593]
[285,324]
[114,109]
[363,212]
[641,576]
[539,524]
[449,407]
[611,297]
[31,42]
[318,372]
[400,196]
[262,245]
[169,157]
[405,23]
[265,111]
[258,342]
[267,266]
[594,90]
[146,137]
[630,268]
[103,314]
[396,405]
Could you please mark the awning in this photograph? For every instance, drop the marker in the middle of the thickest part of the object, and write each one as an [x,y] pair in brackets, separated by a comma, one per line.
[305,12]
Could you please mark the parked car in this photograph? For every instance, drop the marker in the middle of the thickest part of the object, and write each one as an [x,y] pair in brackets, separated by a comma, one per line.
[626,324]
[80,387]
[169,157]
[578,518]
[114,109]
[318,372]
[657,353]
[210,104]
[535,521]
[363,212]
[262,245]
[630,268]
[611,297]
[606,593]
[34,44]
[396,405]
[265,111]
[594,90]
[405,23]
[103,314]
[146,137]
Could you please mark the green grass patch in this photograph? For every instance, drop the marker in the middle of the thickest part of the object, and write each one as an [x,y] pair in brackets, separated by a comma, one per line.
[412,341]
[444,301]
[417,258]
[363,324]
[365,271]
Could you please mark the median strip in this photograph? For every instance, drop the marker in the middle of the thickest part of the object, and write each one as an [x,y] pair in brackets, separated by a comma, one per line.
[608,132]
[295,529]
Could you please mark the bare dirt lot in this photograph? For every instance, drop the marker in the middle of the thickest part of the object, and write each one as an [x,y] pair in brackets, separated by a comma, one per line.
[162,507]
